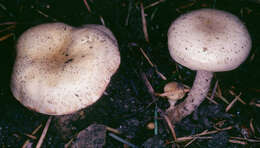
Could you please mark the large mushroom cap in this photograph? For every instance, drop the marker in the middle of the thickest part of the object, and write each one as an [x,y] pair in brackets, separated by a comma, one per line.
[209,40]
[60,69]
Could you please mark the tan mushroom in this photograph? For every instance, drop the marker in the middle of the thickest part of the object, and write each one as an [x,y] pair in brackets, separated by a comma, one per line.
[207,41]
[60,69]
[173,91]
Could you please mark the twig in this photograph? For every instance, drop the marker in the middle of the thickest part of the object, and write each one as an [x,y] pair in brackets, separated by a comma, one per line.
[152,65]
[8,23]
[44,132]
[206,132]
[246,139]
[31,136]
[185,6]
[150,89]
[252,126]
[171,126]
[45,15]
[87,5]
[239,99]
[219,95]
[112,130]
[154,4]
[144,23]
[68,145]
[148,85]
[237,142]
[26,143]
[122,140]
[231,104]
[219,124]
[128,13]
[211,100]
[222,98]
[6,36]
[33,133]
[8,28]
[102,20]
[253,103]
[146,57]
[191,141]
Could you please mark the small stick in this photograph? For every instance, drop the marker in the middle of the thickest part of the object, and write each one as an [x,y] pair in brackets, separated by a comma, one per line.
[33,133]
[8,23]
[257,105]
[152,65]
[220,123]
[223,99]
[237,142]
[87,5]
[102,21]
[191,141]
[245,139]
[26,143]
[211,100]
[171,126]
[232,103]
[44,132]
[254,103]
[112,130]
[154,4]
[6,37]
[146,57]
[206,132]
[239,99]
[252,126]
[185,6]
[8,28]
[219,95]
[148,85]
[144,23]
[128,13]
[122,140]
[31,136]
[68,145]
[45,15]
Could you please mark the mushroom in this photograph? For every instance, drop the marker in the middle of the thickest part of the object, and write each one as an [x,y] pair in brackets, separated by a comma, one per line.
[206,40]
[173,91]
[60,69]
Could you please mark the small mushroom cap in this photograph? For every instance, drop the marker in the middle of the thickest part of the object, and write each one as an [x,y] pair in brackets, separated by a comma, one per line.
[174,91]
[60,69]
[209,40]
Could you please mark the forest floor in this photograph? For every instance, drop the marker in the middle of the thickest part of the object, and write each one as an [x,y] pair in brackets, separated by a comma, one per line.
[127,109]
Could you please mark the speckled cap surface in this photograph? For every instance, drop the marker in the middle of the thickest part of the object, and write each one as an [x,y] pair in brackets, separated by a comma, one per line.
[60,69]
[209,40]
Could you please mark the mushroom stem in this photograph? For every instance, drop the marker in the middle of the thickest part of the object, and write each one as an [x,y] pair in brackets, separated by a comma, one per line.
[196,95]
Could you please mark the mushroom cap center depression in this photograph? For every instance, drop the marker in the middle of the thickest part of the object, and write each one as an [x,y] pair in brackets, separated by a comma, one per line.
[60,69]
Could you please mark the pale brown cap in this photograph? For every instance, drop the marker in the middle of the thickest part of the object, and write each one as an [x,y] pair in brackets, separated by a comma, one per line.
[209,40]
[60,69]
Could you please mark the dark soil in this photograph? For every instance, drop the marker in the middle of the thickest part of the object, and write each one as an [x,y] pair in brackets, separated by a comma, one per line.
[127,104]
